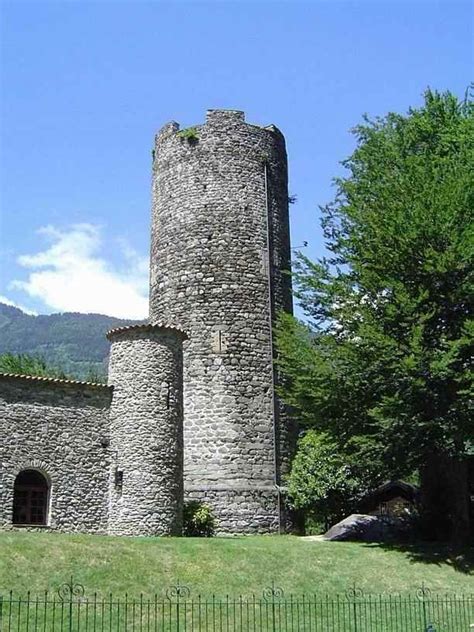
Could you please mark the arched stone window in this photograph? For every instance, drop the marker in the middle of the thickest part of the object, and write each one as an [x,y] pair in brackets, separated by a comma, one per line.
[30,498]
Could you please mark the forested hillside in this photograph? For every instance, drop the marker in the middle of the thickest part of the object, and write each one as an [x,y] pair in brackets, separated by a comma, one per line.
[72,342]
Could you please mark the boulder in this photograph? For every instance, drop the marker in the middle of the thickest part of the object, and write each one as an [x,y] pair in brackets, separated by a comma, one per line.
[367,528]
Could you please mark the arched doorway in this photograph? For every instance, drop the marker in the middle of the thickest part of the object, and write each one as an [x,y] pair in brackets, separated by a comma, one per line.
[30,498]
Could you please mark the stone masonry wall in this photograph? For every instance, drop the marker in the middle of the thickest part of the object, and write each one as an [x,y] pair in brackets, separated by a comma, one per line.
[220,244]
[146,425]
[61,429]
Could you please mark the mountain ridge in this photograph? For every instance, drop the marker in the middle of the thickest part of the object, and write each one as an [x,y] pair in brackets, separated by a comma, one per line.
[70,341]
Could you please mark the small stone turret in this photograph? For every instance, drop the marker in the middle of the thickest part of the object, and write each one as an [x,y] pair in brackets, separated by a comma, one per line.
[146,419]
[220,250]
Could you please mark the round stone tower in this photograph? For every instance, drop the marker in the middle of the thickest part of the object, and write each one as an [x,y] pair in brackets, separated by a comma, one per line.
[220,251]
[146,443]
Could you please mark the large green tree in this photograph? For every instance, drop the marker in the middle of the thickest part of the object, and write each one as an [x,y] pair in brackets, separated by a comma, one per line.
[384,362]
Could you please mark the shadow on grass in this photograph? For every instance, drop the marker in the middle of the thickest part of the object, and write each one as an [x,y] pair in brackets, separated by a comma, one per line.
[462,560]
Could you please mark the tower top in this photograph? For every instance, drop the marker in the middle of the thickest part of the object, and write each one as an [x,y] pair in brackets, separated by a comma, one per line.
[225,116]
[216,119]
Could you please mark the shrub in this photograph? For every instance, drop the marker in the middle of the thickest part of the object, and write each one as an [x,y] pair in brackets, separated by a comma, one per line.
[198,520]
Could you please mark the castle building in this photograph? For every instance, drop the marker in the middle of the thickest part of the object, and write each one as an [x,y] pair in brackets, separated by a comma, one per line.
[190,411]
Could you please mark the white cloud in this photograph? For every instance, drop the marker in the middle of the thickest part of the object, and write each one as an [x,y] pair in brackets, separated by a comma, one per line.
[71,275]
[7,301]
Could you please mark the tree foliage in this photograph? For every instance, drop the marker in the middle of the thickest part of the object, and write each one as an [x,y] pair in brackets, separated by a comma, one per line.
[24,364]
[325,482]
[384,363]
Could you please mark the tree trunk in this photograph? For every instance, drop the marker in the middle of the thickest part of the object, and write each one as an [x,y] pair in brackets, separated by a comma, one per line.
[445,500]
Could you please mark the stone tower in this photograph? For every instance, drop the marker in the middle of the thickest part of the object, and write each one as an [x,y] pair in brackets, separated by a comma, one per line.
[146,431]
[219,251]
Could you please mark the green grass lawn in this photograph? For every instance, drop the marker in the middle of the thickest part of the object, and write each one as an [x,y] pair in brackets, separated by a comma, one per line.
[238,565]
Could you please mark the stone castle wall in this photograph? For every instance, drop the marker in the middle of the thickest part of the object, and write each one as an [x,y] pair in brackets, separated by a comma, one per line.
[59,428]
[220,244]
[113,455]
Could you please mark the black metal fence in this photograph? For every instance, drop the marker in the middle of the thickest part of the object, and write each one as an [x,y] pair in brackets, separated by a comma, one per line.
[69,609]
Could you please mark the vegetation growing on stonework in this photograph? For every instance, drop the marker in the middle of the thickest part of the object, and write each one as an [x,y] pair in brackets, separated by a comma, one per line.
[190,134]
[382,365]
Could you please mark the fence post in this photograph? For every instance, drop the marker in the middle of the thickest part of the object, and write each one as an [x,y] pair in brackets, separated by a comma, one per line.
[353,594]
[68,591]
[175,593]
[422,593]
[271,594]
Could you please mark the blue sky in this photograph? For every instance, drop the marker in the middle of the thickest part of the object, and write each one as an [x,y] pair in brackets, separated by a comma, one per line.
[84,87]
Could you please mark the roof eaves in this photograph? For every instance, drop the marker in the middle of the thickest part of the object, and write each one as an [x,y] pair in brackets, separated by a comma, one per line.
[51,380]
[147,327]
